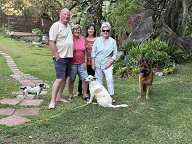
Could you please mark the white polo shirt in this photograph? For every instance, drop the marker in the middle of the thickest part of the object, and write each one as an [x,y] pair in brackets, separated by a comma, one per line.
[63,38]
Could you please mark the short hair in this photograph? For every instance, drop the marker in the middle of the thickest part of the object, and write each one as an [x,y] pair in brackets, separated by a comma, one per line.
[106,24]
[76,26]
[89,25]
[65,9]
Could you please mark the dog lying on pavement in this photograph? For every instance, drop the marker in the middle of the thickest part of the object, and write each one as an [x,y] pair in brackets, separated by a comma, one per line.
[33,90]
[100,93]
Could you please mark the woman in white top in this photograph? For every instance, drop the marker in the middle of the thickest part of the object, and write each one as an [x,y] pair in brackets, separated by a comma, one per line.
[104,53]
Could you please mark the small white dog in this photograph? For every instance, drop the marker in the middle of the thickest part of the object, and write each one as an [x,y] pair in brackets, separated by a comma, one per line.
[33,90]
[101,94]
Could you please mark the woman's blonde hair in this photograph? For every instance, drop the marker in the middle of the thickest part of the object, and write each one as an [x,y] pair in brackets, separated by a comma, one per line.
[105,24]
[76,26]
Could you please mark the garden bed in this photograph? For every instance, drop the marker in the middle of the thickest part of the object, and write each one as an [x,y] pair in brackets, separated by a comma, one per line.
[25,36]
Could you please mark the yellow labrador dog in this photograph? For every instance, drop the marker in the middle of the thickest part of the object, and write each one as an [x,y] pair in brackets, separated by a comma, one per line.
[101,94]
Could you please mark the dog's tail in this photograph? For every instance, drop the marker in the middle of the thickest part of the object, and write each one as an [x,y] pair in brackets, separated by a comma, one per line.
[117,106]
[22,88]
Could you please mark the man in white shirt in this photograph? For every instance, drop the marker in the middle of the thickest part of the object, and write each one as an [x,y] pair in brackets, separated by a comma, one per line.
[61,44]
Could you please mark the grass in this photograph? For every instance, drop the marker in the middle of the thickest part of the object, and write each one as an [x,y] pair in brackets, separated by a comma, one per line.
[163,119]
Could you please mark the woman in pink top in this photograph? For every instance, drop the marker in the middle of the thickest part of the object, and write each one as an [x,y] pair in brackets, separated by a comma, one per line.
[79,63]
[90,38]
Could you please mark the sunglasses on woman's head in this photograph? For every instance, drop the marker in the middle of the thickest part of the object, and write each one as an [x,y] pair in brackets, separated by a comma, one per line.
[105,30]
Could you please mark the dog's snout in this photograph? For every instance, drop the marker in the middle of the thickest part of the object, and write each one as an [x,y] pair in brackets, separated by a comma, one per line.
[142,71]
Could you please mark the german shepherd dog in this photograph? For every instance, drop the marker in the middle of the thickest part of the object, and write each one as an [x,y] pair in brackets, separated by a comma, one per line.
[145,77]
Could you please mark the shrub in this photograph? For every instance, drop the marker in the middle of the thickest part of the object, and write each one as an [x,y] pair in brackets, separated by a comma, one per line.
[155,50]
[37,31]
[134,71]
[162,55]
[120,71]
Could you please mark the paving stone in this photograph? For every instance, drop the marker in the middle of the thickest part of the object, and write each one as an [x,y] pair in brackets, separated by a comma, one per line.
[30,97]
[17,93]
[31,102]
[27,84]
[18,76]
[10,101]
[26,74]
[18,73]
[27,111]
[30,78]
[11,64]
[7,111]
[10,60]
[20,96]
[43,92]
[7,57]
[13,120]
[37,82]
[15,70]
[25,81]
[14,67]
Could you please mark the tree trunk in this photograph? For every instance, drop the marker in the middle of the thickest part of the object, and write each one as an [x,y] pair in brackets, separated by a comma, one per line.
[184,19]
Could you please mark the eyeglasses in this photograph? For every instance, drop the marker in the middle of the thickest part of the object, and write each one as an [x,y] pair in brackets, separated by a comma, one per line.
[105,30]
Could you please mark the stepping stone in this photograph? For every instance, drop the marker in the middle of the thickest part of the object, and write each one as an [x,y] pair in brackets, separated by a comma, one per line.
[17,93]
[7,111]
[11,101]
[27,111]
[26,74]
[20,96]
[31,102]
[11,64]
[14,68]
[47,86]
[43,92]
[25,81]
[30,78]
[30,97]
[18,77]
[13,120]
[16,71]
[37,82]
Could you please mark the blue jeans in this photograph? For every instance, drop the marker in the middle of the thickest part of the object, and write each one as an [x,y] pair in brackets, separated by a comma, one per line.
[78,69]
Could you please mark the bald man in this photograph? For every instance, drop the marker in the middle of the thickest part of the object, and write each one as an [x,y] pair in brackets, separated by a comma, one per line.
[61,44]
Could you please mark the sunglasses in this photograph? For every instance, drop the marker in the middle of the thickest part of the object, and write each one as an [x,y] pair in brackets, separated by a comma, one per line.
[105,30]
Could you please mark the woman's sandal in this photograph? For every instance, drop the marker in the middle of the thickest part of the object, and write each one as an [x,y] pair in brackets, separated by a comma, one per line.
[86,98]
[113,100]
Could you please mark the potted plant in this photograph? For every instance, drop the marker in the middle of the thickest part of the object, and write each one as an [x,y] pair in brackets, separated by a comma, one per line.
[37,31]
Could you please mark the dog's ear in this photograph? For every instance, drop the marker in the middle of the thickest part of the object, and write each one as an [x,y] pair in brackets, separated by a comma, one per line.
[94,78]
[149,62]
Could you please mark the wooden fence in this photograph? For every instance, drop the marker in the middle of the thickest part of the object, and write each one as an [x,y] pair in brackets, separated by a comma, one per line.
[25,24]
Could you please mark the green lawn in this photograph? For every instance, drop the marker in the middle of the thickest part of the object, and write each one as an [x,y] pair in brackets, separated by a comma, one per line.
[165,118]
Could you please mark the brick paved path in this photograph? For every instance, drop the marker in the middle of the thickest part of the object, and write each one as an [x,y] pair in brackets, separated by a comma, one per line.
[15,116]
